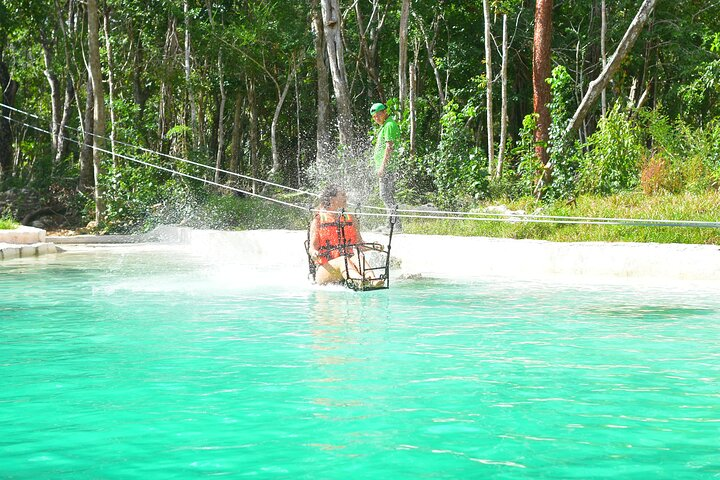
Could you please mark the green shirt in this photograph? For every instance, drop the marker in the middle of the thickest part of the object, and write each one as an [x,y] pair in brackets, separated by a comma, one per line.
[389,132]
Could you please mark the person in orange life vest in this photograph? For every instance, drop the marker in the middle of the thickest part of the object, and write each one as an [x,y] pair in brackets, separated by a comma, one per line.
[326,246]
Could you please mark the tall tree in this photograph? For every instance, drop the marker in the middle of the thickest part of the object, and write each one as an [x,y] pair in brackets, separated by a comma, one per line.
[603,56]
[236,163]
[254,133]
[488,91]
[48,39]
[188,77]
[369,36]
[598,85]
[68,29]
[98,105]
[332,23]
[504,99]
[86,182]
[542,68]
[167,100]
[276,162]
[111,80]
[430,47]
[413,97]
[8,89]
[322,134]
[221,118]
[403,55]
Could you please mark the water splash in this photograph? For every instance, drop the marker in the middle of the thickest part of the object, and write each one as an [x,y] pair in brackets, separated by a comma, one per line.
[350,169]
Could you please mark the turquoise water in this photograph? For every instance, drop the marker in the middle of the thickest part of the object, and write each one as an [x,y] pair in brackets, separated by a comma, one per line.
[137,365]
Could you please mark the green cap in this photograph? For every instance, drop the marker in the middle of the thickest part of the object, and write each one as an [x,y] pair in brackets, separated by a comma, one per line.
[377,107]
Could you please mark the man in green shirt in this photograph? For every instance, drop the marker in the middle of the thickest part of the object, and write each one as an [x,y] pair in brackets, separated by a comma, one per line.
[385,157]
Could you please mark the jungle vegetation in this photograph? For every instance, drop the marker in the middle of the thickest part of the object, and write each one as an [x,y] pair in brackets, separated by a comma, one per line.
[553,105]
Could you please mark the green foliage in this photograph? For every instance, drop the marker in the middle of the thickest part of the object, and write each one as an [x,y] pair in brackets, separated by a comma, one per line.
[563,153]
[529,169]
[703,91]
[458,168]
[134,195]
[615,155]
[690,156]
[8,223]
[415,179]
[702,207]
[675,148]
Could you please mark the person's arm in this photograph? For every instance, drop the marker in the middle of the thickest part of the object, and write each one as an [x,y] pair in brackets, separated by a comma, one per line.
[314,240]
[386,158]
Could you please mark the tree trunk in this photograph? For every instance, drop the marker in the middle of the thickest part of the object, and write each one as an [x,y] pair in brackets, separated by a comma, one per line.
[332,17]
[542,70]
[8,89]
[221,122]
[66,28]
[504,105]
[298,112]
[322,136]
[98,106]
[597,85]
[236,142]
[488,91]
[86,151]
[166,98]
[43,167]
[603,34]
[403,58]
[275,172]
[201,121]
[430,47]
[67,107]
[111,83]
[254,141]
[140,92]
[188,81]
[56,97]
[413,99]
[369,51]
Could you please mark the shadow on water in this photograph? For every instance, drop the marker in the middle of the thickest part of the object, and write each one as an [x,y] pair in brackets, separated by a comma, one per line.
[651,312]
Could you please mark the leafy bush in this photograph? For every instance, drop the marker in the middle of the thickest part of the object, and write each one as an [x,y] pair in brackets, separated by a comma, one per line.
[563,154]
[655,176]
[458,168]
[691,155]
[529,168]
[613,161]
[134,194]
[703,160]
[562,151]
[8,223]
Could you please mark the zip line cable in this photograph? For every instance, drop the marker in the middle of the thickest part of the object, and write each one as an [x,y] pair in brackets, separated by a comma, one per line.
[402,213]
[172,157]
[160,167]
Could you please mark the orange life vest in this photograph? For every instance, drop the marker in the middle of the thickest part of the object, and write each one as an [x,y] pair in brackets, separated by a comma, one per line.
[336,236]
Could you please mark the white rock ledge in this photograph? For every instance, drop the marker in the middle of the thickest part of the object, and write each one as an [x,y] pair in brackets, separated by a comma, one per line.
[471,257]
[22,235]
[24,242]
[444,256]
[8,251]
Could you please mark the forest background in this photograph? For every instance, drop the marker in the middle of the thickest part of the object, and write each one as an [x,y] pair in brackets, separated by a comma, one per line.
[572,107]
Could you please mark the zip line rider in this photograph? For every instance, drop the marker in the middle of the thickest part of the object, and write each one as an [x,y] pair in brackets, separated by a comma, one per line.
[333,237]
[385,156]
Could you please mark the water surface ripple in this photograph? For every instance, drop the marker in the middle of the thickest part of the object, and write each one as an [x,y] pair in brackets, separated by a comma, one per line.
[140,365]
